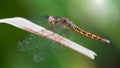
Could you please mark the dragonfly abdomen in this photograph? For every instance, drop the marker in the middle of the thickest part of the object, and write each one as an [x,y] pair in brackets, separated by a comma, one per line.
[88,34]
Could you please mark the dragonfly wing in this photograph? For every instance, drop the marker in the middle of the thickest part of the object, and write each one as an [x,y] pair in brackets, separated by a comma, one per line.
[49,48]
[46,47]
[40,20]
[33,41]
[30,42]
[44,52]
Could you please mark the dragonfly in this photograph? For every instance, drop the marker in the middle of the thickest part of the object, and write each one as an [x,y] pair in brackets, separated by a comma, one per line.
[60,25]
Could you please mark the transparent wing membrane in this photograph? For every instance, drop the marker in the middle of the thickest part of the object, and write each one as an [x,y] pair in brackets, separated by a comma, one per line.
[31,42]
[45,47]
[44,52]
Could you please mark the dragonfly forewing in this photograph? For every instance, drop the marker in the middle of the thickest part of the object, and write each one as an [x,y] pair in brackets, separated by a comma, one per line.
[30,42]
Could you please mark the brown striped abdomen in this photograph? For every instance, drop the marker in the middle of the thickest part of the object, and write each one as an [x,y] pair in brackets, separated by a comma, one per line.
[88,34]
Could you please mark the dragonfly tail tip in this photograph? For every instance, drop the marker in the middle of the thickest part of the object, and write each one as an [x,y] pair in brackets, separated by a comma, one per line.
[105,40]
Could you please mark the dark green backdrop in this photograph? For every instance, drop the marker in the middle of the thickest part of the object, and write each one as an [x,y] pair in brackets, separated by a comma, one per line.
[101,17]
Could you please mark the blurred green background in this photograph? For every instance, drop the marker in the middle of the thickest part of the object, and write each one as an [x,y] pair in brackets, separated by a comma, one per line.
[101,17]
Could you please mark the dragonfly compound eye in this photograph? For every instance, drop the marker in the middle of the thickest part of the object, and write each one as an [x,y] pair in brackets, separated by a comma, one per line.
[51,19]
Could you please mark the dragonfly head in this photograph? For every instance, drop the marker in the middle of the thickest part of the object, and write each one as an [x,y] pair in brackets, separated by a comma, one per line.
[51,20]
